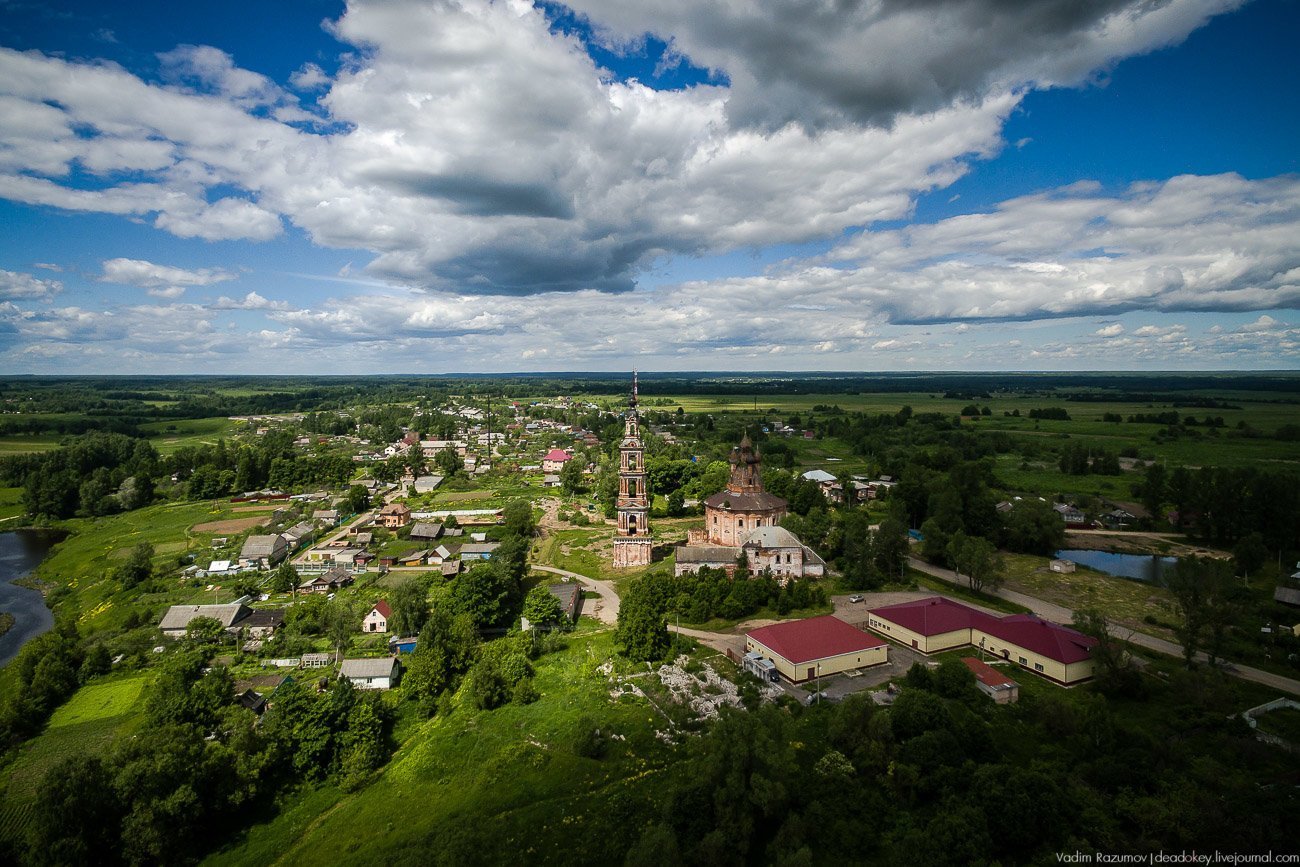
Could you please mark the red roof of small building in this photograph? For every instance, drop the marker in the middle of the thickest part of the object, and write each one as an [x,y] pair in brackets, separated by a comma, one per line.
[987,674]
[558,455]
[382,607]
[814,638]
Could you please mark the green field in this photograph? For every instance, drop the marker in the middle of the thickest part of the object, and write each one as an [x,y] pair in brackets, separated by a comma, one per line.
[489,787]
[11,503]
[84,561]
[99,700]
[1123,601]
[168,436]
[87,724]
[18,444]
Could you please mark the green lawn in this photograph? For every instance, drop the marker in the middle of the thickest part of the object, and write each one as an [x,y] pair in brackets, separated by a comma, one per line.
[87,724]
[11,503]
[101,699]
[498,786]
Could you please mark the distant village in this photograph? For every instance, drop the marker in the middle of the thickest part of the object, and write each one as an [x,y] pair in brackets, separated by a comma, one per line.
[388,523]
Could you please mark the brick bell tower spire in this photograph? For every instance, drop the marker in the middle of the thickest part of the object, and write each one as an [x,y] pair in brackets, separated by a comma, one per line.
[633,544]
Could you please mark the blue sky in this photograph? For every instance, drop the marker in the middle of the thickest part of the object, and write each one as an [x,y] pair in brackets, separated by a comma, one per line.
[469,186]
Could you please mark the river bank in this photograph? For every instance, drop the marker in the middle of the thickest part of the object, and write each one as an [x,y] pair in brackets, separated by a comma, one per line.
[21,551]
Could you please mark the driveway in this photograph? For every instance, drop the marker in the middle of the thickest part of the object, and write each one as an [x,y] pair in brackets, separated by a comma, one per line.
[606,607]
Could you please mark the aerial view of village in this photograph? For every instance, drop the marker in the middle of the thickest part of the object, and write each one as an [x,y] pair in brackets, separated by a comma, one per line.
[649,432]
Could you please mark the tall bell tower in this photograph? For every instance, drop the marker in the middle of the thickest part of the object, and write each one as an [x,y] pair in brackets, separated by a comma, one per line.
[633,544]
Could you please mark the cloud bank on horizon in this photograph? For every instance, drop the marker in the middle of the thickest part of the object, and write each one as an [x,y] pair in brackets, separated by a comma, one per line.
[521,201]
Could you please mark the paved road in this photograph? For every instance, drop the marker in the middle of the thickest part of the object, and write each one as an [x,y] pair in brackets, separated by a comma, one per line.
[606,609]
[1061,614]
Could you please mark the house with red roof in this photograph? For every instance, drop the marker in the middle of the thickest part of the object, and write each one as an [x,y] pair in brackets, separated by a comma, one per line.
[935,624]
[993,683]
[819,646]
[555,460]
[377,618]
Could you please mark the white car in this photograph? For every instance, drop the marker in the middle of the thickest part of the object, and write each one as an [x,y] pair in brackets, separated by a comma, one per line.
[856,597]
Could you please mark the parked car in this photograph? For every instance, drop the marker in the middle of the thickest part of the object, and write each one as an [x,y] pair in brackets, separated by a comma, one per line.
[856,597]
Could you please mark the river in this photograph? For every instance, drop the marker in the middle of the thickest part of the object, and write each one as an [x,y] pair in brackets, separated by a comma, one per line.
[20,552]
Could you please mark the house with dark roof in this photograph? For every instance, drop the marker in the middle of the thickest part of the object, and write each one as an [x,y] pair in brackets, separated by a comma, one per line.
[326,582]
[802,650]
[425,531]
[569,596]
[935,624]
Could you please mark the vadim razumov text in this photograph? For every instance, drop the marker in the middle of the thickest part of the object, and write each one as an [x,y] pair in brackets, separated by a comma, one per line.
[1184,857]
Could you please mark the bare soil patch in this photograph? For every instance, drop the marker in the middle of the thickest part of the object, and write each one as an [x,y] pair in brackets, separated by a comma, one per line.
[234,525]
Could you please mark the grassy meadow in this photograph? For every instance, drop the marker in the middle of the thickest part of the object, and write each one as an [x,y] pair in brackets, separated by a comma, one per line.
[488,787]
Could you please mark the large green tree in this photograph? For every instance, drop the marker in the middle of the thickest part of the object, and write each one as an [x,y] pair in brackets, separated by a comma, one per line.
[977,559]
[642,630]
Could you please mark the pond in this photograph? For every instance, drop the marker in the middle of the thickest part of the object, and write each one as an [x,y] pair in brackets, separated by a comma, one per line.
[1139,567]
[20,552]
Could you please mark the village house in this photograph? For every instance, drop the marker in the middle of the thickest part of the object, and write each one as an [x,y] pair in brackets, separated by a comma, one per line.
[299,534]
[1071,515]
[326,582]
[325,517]
[394,516]
[178,617]
[263,551]
[261,622]
[830,486]
[425,531]
[376,620]
[555,460]
[478,550]
[381,673]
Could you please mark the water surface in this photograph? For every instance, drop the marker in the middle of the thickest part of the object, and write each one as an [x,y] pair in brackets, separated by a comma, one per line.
[20,552]
[1139,567]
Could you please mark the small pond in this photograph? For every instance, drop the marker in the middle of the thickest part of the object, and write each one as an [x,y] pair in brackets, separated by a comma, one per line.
[1139,567]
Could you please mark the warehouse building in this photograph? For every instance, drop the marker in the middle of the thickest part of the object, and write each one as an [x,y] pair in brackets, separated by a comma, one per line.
[819,646]
[936,624]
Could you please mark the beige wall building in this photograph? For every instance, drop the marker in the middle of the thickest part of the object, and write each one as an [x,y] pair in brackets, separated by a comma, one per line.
[803,650]
[935,624]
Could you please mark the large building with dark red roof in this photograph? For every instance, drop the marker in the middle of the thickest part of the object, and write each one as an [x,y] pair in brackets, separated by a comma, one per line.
[818,646]
[936,624]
